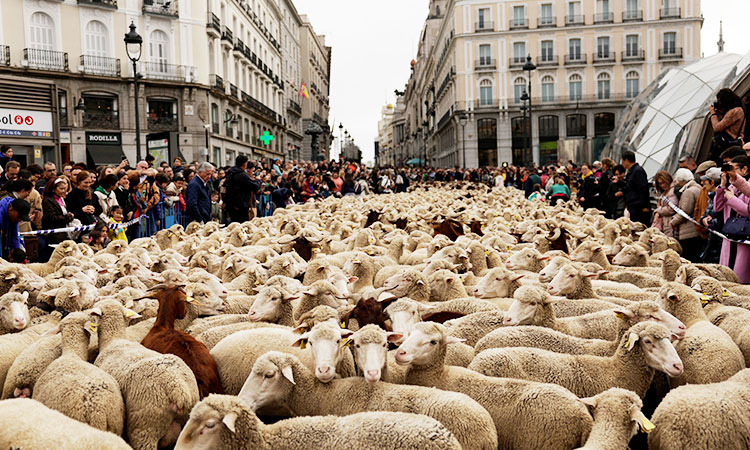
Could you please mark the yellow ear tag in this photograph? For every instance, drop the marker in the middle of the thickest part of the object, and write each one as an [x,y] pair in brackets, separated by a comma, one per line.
[257,282]
[647,426]
[315,250]
[302,345]
[343,325]
[92,327]
[705,298]
[670,243]
[620,316]
[462,279]
[302,330]
[346,342]
[725,293]
[627,343]
[129,313]
[487,252]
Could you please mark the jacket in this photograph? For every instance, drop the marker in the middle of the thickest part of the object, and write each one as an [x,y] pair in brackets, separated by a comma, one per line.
[589,191]
[666,212]
[106,200]
[636,189]
[8,229]
[198,199]
[53,216]
[733,122]
[736,205]
[684,229]
[75,201]
[240,189]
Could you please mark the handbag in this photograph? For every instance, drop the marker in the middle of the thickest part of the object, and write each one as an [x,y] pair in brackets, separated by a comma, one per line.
[724,140]
[737,228]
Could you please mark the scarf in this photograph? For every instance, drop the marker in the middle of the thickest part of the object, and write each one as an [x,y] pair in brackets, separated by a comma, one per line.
[583,177]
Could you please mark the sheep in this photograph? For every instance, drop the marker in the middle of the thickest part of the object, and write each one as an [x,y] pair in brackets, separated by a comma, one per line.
[29,365]
[328,345]
[11,345]
[164,339]
[65,248]
[28,424]
[475,326]
[617,418]
[631,256]
[644,348]
[71,382]
[319,293]
[370,350]
[546,339]
[528,259]
[445,285]
[224,423]
[527,414]
[280,378]
[721,409]
[272,305]
[409,283]
[14,312]
[497,283]
[709,354]
[212,336]
[591,251]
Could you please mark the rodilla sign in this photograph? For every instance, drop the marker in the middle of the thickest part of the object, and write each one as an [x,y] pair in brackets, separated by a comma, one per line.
[25,123]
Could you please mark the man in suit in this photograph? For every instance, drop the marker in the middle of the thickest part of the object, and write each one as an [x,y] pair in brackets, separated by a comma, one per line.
[240,191]
[198,195]
[637,197]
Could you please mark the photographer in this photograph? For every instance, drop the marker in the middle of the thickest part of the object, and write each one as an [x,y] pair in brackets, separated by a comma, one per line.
[727,121]
[734,202]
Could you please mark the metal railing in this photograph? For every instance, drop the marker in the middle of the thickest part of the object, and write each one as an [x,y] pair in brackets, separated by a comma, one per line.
[212,21]
[605,17]
[295,107]
[163,123]
[638,55]
[670,53]
[216,82]
[487,103]
[167,9]
[46,59]
[162,71]
[604,57]
[574,19]
[484,26]
[4,55]
[669,13]
[546,22]
[239,46]
[517,61]
[518,23]
[548,60]
[106,120]
[233,91]
[226,34]
[215,128]
[485,64]
[100,65]
[574,99]
[578,58]
[632,16]
[111,4]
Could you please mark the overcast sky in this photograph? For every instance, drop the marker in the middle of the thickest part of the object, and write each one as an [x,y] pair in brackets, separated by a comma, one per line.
[373,43]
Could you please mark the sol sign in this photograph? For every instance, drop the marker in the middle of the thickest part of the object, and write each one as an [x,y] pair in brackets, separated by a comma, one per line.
[22,122]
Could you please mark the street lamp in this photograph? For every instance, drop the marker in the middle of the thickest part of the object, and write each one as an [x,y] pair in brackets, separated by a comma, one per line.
[462,119]
[526,136]
[426,129]
[341,139]
[530,67]
[133,46]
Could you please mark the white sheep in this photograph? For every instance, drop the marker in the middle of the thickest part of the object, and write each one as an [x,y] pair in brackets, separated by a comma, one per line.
[617,418]
[14,312]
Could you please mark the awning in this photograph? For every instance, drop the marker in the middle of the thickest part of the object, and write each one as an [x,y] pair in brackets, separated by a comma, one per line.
[104,155]
[414,161]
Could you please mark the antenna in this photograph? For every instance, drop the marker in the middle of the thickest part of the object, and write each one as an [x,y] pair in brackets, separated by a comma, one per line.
[721,36]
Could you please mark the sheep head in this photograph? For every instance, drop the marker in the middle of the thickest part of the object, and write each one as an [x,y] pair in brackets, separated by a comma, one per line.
[426,341]
[369,345]
[14,310]
[528,300]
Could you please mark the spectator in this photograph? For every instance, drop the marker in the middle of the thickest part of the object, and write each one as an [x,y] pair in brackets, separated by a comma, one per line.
[637,200]
[615,197]
[727,121]
[122,195]
[16,189]
[34,199]
[728,154]
[215,207]
[80,202]
[537,194]
[703,167]
[710,219]
[688,162]
[55,212]
[684,230]
[588,192]
[665,187]
[276,168]
[532,179]
[198,195]
[558,191]
[177,165]
[105,196]
[733,200]
[6,154]
[12,211]
[50,173]
[240,191]
[150,160]
[11,172]
[116,217]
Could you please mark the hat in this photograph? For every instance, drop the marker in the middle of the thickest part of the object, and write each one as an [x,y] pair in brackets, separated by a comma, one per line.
[713,174]
[23,208]
[684,158]
[704,166]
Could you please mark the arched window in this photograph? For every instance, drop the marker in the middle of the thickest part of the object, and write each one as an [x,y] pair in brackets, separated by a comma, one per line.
[548,88]
[632,80]
[485,92]
[97,39]
[576,125]
[42,32]
[519,87]
[215,117]
[575,87]
[159,48]
[602,86]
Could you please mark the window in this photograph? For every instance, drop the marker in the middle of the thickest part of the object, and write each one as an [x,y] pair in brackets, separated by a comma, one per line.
[576,125]
[574,9]
[159,48]
[519,87]
[631,84]
[631,9]
[602,86]
[575,87]
[548,88]
[602,47]
[519,52]
[547,51]
[96,39]
[604,123]
[101,111]
[62,107]
[162,114]
[42,32]
[215,118]
[574,47]
[485,55]
[519,16]
[484,15]
[602,6]
[546,13]
[670,40]
[485,92]
[631,45]
[487,142]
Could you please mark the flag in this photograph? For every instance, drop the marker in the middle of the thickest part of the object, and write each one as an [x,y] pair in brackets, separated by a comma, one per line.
[303,91]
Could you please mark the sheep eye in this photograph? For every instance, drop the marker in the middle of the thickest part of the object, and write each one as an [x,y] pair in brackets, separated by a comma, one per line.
[433,342]
[357,345]
[210,424]
[648,317]
[385,345]
[338,341]
[533,303]
[269,375]
[571,276]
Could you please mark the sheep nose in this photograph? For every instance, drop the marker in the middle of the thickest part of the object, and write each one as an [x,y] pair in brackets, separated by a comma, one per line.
[373,373]
[324,370]
[678,367]
[401,353]
[19,323]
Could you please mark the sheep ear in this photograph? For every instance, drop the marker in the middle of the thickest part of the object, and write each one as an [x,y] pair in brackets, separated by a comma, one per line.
[353,279]
[624,314]
[587,274]
[420,283]
[453,340]
[386,296]
[130,314]
[602,272]
[229,420]
[516,277]
[301,341]
[395,337]
[643,423]
[51,292]
[543,258]
[301,328]
[288,374]
[52,331]
[632,339]
[95,311]
[588,401]
[345,332]
[25,295]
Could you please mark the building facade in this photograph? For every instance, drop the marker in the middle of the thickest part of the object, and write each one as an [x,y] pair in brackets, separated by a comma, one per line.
[468,88]
[291,59]
[315,67]
[386,155]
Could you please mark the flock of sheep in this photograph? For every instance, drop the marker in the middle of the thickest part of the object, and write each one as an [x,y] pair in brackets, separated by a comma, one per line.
[444,318]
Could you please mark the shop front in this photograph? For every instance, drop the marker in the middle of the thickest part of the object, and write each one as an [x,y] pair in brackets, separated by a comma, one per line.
[103,149]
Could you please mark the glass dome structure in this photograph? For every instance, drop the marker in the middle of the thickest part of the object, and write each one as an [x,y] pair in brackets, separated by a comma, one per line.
[669,118]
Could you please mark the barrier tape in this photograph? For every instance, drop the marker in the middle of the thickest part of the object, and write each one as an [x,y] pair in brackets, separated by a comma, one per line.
[691,219]
[111,226]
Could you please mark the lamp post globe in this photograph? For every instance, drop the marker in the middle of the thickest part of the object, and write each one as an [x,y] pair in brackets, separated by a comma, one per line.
[134,47]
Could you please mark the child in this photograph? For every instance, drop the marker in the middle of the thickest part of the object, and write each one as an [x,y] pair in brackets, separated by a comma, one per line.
[97,239]
[537,194]
[215,207]
[115,216]
[17,255]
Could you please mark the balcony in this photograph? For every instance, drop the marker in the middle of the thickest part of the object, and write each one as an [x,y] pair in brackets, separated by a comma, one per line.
[215,128]
[575,59]
[487,104]
[606,17]
[604,57]
[46,59]
[259,108]
[317,118]
[213,25]
[484,26]
[103,120]
[161,8]
[547,61]
[4,55]
[163,71]
[669,13]
[109,4]
[233,91]
[633,56]
[216,82]
[100,65]
[239,46]
[518,23]
[163,123]
[546,22]
[670,53]
[573,20]
[517,62]
[294,107]
[632,16]
[226,35]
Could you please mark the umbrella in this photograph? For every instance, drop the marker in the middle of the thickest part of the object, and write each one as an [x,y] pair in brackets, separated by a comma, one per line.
[414,161]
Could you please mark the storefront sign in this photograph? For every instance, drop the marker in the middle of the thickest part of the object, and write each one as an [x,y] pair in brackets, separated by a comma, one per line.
[102,138]
[25,123]
[65,137]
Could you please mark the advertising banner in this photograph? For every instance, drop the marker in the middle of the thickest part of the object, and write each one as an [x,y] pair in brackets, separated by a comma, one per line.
[25,123]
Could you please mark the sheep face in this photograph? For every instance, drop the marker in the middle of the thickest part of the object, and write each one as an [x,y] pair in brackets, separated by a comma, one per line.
[405,313]
[496,283]
[585,252]
[328,344]
[213,422]
[370,349]
[619,403]
[341,282]
[14,311]
[528,300]
[648,311]
[656,345]
[401,283]
[550,270]
[288,285]
[568,280]
[423,344]
[630,256]
[270,383]
[267,305]
[526,259]
[205,298]
[709,289]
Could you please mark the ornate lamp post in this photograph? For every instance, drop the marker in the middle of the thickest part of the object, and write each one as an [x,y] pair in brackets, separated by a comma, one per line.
[528,68]
[133,46]
[462,119]
[527,132]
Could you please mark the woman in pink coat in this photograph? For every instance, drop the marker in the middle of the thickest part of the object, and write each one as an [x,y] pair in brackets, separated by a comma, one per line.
[735,198]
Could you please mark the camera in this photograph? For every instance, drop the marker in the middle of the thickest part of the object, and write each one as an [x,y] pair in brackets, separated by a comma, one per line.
[726,167]
[716,106]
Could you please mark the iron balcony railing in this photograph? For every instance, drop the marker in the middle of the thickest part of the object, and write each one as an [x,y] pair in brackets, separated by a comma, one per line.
[605,17]
[239,46]
[485,64]
[216,82]
[4,55]
[233,91]
[215,128]
[574,19]
[100,65]
[546,22]
[111,4]
[669,13]
[487,103]
[212,21]
[105,120]
[573,98]
[670,53]
[161,8]
[484,26]
[547,60]
[633,55]
[46,59]
[295,107]
[517,61]
[227,35]
[632,16]
[575,58]
[604,57]
[518,23]
[167,122]
[163,71]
